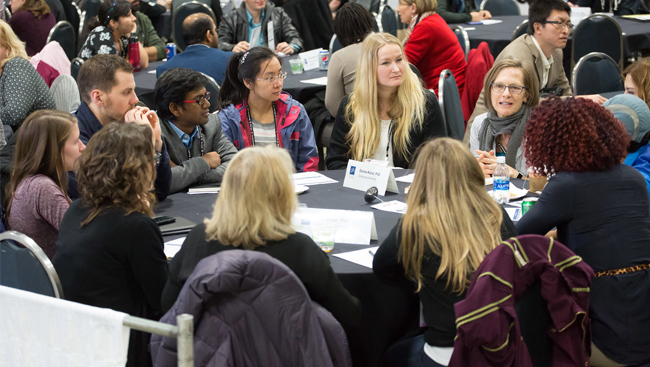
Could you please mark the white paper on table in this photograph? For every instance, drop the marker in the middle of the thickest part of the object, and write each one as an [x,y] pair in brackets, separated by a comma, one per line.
[310,59]
[352,226]
[173,246]
[489,181]
[317,81]
[394,206]
[151,71]
[360,257]
[579,14]
[491,21]
[408,178]
[203,190]
[311,178]
[514,213]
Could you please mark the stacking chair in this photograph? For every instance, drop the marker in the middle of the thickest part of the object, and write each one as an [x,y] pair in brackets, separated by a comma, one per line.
[598,33]
[335,45]
[450,105]
[372,5]
[212,87]
[64,33]
[7,13]
[463,39]
[386,20]
[520,30]
[604,67]
[82,16]
[24,266]
[501,7]
[183,11]
[75,65]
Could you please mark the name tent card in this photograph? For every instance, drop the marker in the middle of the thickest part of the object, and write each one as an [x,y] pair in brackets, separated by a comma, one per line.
[310,59]
[362,176]
[351,226]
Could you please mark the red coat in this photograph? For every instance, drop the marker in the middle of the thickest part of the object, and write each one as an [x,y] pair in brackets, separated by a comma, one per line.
[432,48]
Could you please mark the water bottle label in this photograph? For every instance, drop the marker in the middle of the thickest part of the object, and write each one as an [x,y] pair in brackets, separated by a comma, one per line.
[501,184]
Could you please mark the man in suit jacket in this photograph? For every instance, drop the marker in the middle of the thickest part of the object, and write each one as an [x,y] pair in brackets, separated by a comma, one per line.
[202,53]
[549,24]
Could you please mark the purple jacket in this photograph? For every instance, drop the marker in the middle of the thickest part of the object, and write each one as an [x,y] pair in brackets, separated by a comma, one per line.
[294,129]
[250,310]
[487,326]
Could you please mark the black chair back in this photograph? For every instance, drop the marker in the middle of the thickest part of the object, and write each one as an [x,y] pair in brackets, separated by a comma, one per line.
[65,34]
[597,33]
[596,63]
[183,11]
[335,45]
[80,25]
[7,13]
[75,65]
[372,5]
[24,266]
[212,87]
[386,20]
[501,7]
[450,106]
[463,39]
[520,30]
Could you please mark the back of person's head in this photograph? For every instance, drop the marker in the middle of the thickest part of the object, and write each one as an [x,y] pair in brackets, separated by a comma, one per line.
[531,83]
[36,7]
[573,135]
[407,106]
[39,148]
[8,39]
[117,170]
[635,116]
[109,10]
[640,74]
[195,27]
[449,214]
[242,66]
[256,201]
[540,10]
[98,72]
[352,24]
[172,87]
[422,6]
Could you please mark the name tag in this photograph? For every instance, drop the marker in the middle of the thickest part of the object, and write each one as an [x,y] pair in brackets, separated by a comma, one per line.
[271,35]
[362,176]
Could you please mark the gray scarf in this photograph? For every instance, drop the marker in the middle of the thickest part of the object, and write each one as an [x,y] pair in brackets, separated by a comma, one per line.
[513,125]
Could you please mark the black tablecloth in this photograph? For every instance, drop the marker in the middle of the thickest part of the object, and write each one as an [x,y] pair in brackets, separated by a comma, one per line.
[388,312]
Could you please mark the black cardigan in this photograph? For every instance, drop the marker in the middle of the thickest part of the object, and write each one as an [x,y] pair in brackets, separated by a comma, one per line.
[298,252]
[433,126]
[437,301]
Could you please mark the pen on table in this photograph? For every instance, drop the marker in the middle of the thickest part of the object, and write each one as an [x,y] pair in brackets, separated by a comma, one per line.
[516,216]
[372,252]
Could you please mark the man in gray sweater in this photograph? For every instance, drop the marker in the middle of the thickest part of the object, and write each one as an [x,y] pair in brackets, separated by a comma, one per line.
[198,150]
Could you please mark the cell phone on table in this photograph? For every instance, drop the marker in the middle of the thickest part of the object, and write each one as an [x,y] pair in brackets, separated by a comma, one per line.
[164,219]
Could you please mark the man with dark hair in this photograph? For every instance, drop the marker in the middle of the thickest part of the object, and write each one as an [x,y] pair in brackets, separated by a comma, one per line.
[198,148]
[107,91]
[202,52]
[248,26]
[549,25]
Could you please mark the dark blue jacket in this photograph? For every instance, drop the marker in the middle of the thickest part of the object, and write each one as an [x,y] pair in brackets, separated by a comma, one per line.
[209,61]
[89,125]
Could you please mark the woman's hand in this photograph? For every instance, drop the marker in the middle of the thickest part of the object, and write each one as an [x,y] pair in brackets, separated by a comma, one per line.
[144,116]
[488,162]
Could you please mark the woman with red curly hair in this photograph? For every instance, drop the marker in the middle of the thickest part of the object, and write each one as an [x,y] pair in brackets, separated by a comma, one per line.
[600,209]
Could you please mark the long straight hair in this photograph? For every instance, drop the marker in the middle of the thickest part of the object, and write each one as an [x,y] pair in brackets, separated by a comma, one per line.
[449,213]
[407,105]
[256,201]
[242,66]
[41,139]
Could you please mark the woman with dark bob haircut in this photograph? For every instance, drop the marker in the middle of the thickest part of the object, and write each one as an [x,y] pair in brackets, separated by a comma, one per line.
[110,252]
[600,209]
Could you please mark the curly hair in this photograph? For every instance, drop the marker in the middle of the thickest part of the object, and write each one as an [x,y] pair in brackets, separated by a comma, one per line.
[117,170]
[574,135]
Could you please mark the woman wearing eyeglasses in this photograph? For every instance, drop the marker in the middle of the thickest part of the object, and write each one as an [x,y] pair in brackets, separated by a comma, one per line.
[255,112]
[511,91]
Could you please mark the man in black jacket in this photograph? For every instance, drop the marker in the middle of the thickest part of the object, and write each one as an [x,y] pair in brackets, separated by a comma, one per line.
[248,27]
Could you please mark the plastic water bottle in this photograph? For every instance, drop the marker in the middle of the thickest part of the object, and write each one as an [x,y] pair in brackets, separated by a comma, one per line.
[501,180]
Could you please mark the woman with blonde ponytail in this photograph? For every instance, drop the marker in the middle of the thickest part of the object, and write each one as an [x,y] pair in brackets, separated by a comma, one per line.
[388,114]
[450,226]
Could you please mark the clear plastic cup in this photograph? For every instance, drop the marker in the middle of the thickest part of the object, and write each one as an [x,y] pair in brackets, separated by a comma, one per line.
[296,66]
[324,236]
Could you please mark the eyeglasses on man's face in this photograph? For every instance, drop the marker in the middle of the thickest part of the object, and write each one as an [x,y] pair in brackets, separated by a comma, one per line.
[559,25]
[500,88]
[201,101]
[272,79]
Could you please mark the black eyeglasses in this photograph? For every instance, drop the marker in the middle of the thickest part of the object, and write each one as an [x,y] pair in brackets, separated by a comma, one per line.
[559,25]
[500,88]
[200,101]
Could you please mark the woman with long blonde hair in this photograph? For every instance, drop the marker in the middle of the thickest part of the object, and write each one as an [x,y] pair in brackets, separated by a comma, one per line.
[253,212]
[451,225]
[388,114]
